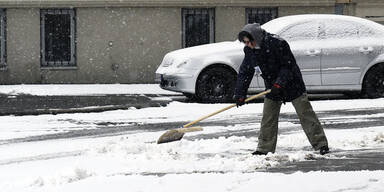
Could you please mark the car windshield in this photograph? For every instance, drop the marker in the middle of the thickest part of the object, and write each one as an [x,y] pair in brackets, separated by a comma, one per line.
[276,25]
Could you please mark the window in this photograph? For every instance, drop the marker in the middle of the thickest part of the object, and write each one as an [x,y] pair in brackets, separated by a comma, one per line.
[339,8]
[3,62]
[58,48]
[336,29]
[302,31]
[198,26]
[260,15]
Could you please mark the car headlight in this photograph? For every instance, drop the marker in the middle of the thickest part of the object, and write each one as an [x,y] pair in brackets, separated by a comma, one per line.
[167,62]
[182,63]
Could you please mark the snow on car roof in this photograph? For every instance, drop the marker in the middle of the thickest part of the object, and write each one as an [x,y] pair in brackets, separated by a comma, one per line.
[275,25]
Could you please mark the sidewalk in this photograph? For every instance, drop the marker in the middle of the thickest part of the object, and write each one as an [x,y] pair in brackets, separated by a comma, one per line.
[36,105]
[54,99]
[35,99]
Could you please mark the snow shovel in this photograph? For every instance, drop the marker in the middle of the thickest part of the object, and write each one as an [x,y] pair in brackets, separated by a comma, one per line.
[177,134]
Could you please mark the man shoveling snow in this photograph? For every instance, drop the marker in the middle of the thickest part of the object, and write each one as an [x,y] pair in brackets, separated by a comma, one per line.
[273,56]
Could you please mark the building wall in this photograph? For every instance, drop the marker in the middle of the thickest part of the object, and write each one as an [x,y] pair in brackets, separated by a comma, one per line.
[23,47]
[229,20]
[370,9]
[164,3]
[123,45]
[124,42]
[291,10]
[114,45]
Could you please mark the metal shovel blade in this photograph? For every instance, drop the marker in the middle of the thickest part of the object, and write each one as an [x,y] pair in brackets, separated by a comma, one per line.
[176,134]
[169,136]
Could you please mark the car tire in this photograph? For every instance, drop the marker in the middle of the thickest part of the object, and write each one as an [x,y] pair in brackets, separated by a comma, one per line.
[373,85]
[215,85]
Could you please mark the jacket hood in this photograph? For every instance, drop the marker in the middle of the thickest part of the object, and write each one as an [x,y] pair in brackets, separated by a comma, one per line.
[255,31]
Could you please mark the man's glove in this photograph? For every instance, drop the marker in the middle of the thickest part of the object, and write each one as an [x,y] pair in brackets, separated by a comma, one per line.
[276,90]
[239,100]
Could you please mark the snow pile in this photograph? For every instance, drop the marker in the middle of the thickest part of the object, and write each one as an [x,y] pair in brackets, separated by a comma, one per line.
[221,154]
[67,176]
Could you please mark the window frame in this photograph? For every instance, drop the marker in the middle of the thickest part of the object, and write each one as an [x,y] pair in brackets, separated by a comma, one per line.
[211,15]
[71,64]
[271,10]
[3,39]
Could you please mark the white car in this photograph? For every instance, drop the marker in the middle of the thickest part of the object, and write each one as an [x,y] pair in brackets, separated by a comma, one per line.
[335,53]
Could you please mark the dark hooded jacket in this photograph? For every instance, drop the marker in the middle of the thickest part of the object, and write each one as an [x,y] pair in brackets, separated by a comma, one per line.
[277,65]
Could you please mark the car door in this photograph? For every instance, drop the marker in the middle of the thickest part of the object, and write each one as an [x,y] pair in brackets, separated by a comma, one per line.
[303,40]
[342,53]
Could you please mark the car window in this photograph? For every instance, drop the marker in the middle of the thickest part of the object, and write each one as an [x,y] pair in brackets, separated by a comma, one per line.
[365,31]
[302,31]
[336,29]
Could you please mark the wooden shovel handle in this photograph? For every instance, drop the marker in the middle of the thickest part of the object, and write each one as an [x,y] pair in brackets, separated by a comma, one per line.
[226,108]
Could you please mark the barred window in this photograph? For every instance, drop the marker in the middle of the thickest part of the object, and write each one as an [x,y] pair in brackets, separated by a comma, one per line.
[198,26]
[58,48]
[339,8]
[3,47]
[260,15]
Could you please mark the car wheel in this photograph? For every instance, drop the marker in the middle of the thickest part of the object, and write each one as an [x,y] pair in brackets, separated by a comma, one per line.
[215,85]
[374,82]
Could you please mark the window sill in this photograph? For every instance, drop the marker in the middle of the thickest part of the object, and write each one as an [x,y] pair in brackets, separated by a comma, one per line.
[59,68]
[3,68]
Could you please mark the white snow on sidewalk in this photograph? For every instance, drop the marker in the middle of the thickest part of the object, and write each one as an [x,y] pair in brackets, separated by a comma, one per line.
[83,89]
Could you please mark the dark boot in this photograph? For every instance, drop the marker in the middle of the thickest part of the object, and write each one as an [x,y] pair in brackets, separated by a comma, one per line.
[324,150]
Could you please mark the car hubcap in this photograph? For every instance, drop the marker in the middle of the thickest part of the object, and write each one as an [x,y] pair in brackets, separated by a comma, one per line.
[380,84]
[218,89]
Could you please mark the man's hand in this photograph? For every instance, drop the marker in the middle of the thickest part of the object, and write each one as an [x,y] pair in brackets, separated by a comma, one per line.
[276,89]
[239,100]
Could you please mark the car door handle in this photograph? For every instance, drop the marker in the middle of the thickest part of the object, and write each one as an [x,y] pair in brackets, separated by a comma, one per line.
[365,50]
[313,52]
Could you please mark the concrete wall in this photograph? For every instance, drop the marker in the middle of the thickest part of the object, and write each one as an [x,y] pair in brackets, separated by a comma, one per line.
[114,45]
[370,9]
[23,47]
[163,3]
[229,20]
[124,42]
[290,10]
[120,45]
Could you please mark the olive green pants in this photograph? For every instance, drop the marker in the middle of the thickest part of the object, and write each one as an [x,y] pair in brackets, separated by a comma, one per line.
[308,120]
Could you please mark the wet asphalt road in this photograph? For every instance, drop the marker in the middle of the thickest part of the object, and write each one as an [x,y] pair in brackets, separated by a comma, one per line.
[368,159]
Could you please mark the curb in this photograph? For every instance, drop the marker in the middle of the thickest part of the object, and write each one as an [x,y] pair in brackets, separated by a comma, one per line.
[37,105]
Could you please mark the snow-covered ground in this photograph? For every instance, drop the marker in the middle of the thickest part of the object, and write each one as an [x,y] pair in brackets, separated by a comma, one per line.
[132,161]
[82,89]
